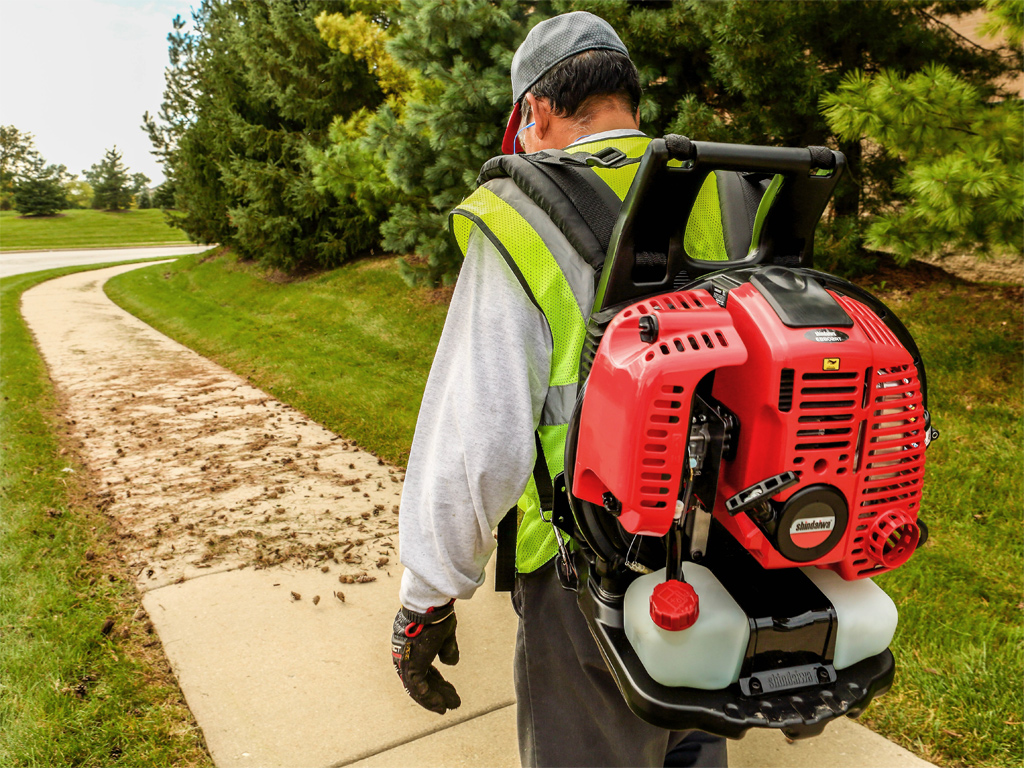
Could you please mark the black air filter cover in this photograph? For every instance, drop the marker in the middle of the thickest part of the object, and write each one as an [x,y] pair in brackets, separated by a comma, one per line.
[799,301]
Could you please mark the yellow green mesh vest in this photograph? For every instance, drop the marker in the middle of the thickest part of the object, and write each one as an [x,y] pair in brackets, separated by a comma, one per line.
[561,284]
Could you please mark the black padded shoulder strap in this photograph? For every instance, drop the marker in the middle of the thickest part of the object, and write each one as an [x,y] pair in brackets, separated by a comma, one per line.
[579,203]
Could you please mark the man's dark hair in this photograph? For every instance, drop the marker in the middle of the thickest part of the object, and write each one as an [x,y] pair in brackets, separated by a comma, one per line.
[577,84]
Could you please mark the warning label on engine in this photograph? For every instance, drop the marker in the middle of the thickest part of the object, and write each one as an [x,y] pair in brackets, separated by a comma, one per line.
[826,335]
[808,532]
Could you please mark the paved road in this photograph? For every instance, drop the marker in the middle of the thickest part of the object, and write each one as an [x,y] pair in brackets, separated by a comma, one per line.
[19,262]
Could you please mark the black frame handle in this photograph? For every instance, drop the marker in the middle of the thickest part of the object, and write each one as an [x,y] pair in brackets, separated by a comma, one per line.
[655,212]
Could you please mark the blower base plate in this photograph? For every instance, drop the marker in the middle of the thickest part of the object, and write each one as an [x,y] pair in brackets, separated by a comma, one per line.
[727,712]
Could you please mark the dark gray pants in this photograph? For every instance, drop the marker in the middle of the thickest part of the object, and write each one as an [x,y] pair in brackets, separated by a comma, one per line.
[570,712]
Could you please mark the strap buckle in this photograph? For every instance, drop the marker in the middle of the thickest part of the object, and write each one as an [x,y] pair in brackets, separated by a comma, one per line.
[609,157]
[564,566]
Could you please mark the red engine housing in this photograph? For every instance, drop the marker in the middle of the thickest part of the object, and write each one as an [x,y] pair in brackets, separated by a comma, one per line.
[839,406]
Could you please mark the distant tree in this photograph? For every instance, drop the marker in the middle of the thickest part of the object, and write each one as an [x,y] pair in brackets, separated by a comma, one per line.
[39,189]
[140,187]
[17,154]
[163,196]
[78,192]
[185,135]
[962,178]
[112,186]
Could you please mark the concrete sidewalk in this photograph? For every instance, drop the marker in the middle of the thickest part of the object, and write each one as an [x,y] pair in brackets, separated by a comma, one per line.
[277,682]
[273,677]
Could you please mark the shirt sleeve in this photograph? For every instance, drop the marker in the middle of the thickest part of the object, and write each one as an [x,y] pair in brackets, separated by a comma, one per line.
[474,448]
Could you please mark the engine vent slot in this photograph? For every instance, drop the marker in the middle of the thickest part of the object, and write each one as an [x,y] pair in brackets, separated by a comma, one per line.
[829,376]
[786,390]
[827,390]
[826,404]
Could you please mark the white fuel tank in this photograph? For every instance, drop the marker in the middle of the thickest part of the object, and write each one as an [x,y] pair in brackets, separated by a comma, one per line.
[708,654]
[866,615]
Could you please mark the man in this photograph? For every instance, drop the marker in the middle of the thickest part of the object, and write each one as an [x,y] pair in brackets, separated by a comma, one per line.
[499,396]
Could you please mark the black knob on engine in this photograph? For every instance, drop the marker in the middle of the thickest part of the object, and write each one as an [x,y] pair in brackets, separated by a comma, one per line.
[649,329]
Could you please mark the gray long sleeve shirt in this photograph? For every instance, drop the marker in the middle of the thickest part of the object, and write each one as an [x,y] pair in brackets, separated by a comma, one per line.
[474,449]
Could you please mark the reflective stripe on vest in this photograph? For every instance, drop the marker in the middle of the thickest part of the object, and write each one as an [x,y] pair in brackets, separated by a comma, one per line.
[560,283]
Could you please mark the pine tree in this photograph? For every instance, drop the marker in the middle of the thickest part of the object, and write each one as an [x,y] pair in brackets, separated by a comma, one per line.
[772,62]
[265,88]
[431,140]
[38,190]
[963,172]
[739,70]
[163,196]
[432,143]
[348,165]
[111,184]
[17,155]
[186,135]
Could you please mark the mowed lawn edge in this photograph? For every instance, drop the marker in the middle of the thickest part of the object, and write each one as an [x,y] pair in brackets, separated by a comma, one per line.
[339,347]
[87,229]
[84,679]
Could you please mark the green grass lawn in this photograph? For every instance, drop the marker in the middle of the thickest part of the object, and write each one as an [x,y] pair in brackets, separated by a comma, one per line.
[86,229]
[351,348]
[957,699]
[83,681]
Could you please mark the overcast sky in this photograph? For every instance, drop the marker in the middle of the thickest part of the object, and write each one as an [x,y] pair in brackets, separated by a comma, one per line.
[78,74]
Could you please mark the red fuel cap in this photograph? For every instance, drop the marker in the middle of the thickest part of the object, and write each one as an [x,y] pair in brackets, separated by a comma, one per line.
[674,605]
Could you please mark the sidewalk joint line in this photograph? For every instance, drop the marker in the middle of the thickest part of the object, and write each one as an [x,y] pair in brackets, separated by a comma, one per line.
[402,742]
[145,591]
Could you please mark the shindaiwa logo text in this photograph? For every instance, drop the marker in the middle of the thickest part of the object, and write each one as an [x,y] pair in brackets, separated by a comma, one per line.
[789,678]
[808,524]
[826,335]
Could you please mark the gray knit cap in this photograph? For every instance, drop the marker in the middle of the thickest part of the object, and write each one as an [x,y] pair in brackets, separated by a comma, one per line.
[556,39]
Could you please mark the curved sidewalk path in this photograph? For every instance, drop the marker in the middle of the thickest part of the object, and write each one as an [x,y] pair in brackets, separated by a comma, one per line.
[237,511]
[19,262]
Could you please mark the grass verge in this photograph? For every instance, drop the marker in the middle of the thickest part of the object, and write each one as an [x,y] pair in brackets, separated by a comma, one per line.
[87,229]
[352,348]
[83,681]
[957,699]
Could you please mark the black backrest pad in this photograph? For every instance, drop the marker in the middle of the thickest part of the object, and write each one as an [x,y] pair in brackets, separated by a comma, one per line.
[739,195]
[579,203]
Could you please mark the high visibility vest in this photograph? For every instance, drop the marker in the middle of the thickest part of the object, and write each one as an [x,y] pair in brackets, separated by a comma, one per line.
[561,284]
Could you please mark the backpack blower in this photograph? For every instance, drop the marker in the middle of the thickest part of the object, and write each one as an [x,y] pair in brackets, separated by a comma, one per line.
[747,451]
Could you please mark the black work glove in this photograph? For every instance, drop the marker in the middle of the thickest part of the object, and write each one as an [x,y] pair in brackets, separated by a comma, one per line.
[417,638]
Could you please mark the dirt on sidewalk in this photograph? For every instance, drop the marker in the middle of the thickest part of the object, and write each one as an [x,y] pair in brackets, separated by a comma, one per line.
[202,471]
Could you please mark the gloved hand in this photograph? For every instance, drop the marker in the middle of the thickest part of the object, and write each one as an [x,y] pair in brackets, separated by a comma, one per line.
[417,638]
